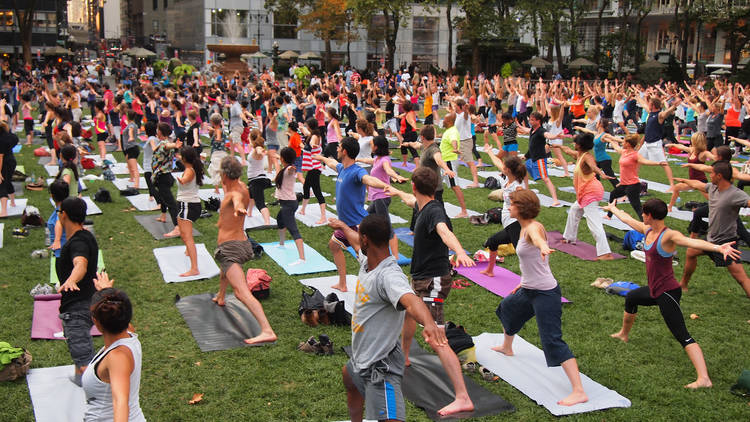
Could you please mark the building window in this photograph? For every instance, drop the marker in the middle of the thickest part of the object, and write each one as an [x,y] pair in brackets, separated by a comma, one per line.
[285,24]
[155,26]
[662,39]
[229,23]
[156,4]
[7,23]
[166,3]
[425,41]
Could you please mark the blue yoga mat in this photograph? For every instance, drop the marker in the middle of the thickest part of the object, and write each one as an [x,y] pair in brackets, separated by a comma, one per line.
[402,260]
[403,235]
[17,148]
[314,261]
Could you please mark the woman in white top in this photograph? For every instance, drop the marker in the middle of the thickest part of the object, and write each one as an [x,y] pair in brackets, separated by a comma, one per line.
[555,134]
[257,179]
[189,204]
[112,380]
[364,134]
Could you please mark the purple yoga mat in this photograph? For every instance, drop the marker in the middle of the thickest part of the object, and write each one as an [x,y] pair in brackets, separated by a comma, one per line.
[501,284]
[463,163]
[45,322]
[400,165]
[580,249]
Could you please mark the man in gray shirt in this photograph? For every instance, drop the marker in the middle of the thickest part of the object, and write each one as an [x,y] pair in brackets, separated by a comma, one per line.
[724,203]
[372,376]
[235,125]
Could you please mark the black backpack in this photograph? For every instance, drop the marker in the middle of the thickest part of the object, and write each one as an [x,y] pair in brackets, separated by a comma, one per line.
[311,301]
[129,191]
[213,204]
[495,215]
[102,195]
[491,183]
[457,337]
[337,314]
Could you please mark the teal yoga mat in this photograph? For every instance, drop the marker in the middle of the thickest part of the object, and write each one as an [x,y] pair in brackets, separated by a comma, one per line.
[314,261]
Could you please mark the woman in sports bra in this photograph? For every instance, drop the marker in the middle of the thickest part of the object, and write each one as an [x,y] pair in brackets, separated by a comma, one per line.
[697,154]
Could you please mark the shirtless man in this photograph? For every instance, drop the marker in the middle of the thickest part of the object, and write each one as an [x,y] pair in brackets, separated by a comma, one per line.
[234,249]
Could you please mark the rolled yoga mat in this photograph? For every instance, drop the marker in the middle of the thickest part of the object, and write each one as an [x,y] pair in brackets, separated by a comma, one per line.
[217,327]
[157,228]
[45,323]
[580,249]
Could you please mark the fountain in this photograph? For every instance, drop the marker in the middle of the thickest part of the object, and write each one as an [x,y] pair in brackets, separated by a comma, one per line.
[232,50]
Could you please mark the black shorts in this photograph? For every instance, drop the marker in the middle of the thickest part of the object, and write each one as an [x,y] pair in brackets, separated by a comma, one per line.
[102,137]
[28,126]
[189,211]
[718,258]
[132,152]
[714,142]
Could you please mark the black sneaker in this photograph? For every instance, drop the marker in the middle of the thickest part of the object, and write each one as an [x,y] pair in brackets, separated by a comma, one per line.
[310,346]
[325,345]
[21,232]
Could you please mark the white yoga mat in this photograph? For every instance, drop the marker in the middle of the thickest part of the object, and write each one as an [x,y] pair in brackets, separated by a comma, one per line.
[680,214]
[527,371]
[173,262]
[324,285]
[2,233]
[298,188]
[91,207]
[52,170]
[463,183]
[256,221]
[487,173]
[142,203]
[395,219]
[54,396]
[205,194]
[558,172]
[659,187]
[614,222]
[454,210]
[312,215]
[546,201]
[327,171]
[314,261]
[122,183]
[98,160]
[18,209]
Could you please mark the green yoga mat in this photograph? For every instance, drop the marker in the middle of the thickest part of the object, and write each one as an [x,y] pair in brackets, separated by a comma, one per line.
[53,273]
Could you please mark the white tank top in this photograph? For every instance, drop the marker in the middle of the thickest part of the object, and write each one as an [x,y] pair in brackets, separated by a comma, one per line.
[188,192]
[255,167]
[99,393]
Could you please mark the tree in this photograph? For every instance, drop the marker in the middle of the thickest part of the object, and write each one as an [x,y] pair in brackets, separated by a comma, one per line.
[477,24]
[734,19]
[395,14]
[24,13]
[642,9]
[598,32]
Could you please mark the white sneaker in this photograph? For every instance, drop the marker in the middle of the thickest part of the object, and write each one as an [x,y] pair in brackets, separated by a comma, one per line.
[297,262]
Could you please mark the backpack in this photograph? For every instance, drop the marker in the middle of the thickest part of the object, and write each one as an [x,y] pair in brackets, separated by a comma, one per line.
[457,337]
[102,195]
[108,175]
[621,288]
[491,183]
[633,239]
[31,217]
[337,314]
[644,188]
[213,203]
[259,282]
[129,191]
[495,215]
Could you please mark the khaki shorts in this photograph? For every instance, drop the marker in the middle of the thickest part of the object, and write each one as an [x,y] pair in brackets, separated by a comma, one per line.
[235,135]
[233,252]
[464,150]
[433,292]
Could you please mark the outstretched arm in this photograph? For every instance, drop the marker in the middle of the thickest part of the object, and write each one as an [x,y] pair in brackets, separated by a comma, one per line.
[625,217]
[330,162]
[451,241]
[693,184]
[680,239]
[409,199]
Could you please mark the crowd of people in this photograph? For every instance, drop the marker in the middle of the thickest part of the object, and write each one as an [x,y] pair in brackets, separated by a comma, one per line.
[284,131]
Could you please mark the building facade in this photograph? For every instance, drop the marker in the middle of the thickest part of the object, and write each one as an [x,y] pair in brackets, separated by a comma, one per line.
[44,31]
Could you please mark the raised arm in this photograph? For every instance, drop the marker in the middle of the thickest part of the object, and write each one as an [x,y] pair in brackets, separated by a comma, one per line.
[625,217]
[451,241]
[330,162]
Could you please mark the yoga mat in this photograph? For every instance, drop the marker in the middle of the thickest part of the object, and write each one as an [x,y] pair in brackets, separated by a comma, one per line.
[680,214]
[314,261]
[157,228]
[395,219]
[43,161]
[16,149]
[52,170]
[402,260]
[454,210]
[173,262]
[489,173]
[427,386]
[312,215]
[745,257]
[91,207]
[122,168]
[2,234]
[464,183]
[54,397]
[403,234]
[98,160]
[659,187]
[53,271]
[324,285]
[580,249]
[45,323]
[527,371]
[123,183]
[476,163]
[18,209]
[410,167]
[256,221]
[142,203]
[501,284]
[327,171]
[206,194]
[614,222]
[217,327]
[546,201]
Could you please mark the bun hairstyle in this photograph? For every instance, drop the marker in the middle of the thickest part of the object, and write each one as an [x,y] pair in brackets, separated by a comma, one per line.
[256,139]
[112,309]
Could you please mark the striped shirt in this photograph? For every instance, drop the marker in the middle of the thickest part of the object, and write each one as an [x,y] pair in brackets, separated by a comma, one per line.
[307,161]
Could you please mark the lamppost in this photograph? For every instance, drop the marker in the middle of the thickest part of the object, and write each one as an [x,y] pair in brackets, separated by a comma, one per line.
[275,55]
[258,17]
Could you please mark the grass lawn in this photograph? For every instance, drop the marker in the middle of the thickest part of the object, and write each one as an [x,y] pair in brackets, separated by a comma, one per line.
[278,383]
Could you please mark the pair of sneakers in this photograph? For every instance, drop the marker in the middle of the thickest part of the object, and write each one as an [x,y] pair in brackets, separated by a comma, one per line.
[313,346]
[313,317]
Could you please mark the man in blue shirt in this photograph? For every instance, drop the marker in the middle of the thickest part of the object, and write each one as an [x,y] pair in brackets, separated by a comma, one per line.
[350,199]
[58,191]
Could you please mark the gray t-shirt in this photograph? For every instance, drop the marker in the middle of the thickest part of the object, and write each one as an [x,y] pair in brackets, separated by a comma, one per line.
[428,160]
[723,209]
[235,113]
[377,317]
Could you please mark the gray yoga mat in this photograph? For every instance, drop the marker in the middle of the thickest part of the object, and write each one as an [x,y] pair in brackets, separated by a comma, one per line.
[427,386]
[157,228]
[217,327]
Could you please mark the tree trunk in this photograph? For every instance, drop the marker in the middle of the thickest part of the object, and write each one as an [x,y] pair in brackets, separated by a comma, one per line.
[734,56]
[558,48]
[637,62]
[598,33]
[391,32]
[448,10]
[573,40]
[475,64]
[25,25]
[328,54]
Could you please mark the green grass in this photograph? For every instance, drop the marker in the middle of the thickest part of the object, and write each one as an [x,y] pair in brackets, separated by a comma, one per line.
[279,383]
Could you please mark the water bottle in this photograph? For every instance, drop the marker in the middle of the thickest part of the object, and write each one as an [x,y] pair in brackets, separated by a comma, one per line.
[678,202]
[47,240]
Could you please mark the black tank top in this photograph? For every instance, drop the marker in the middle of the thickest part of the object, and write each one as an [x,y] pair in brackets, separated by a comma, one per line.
[653,132]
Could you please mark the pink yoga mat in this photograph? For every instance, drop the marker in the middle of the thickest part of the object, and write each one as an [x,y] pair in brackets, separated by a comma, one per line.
[45,322]
[501,284]
[580,249]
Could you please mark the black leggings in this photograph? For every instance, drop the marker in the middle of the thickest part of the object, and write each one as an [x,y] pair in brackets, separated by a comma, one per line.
[256,187]
[48,136]
[285,218]
[606,167]
[164,197]
[474,151]
[669,305]
[732,131]
[697,225]
[634,196]
[509,234]
[150,184]
[312,181]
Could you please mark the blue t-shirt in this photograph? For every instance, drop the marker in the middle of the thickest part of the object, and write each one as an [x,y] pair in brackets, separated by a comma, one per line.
[350,194]
[600,149]
[51,226]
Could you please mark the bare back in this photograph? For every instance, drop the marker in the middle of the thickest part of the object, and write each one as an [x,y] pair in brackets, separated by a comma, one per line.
[231,227]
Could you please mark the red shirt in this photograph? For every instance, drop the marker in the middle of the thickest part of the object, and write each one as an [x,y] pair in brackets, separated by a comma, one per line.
[295,143]
[109,101]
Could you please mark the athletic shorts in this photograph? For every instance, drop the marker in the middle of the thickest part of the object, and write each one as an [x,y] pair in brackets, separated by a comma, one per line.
[433,292]
[102,137]
[132,152]
[380,386]
[718,258]
[189,211]
[653,151]
[233,252]
[537,169]
[273,147]
[450,181]
[464,150]
[511,147]
[340,238]
[28,126]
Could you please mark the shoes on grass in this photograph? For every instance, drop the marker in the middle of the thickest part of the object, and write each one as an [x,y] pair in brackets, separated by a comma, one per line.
[313,346]
[21,232]
[40,253]
[310,317]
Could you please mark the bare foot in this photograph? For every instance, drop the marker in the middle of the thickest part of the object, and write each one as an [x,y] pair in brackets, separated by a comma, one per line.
[186,252]
[173,233]
[605,257]
[161,219]
[4,214]
[339,288]
[190,273]
[321,221]
[669,208]
[262,338]
[488,273]
[606,217]
[574,398]
[462,215]
[501,349]
[407,362]
[473,185]
[219,300]
[555,204]
[462,405]
[700,383]
[620,335]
